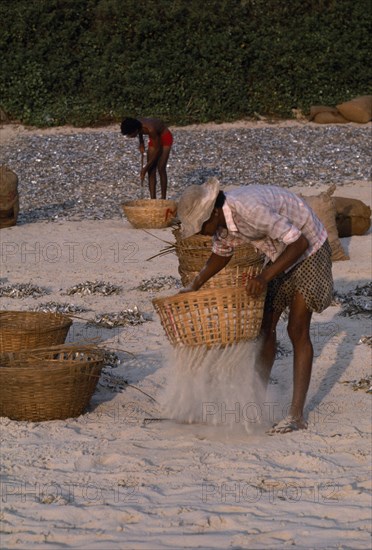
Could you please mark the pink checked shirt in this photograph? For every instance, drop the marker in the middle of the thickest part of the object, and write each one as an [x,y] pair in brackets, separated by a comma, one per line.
[270,218]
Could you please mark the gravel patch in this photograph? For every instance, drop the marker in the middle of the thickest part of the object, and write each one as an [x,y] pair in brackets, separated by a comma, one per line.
[88,175]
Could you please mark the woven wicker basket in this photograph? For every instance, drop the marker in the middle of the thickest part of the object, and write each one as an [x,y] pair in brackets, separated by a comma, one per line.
[150,213]
[194,251]
[210,317]
[235,276]
[7,222]
[8,218]
[48,384]
[20,330]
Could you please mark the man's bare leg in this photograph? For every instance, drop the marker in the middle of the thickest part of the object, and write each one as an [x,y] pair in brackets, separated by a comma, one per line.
[152,182]
[299,334]
[162,169]
[266,356]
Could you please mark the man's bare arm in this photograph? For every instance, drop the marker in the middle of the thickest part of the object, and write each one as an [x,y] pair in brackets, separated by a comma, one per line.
[214,264]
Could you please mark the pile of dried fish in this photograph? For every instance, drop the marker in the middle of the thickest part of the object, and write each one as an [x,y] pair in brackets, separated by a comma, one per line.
[281,351]
[120,319]
[355,302]
[364,384]
[366,340]
[22,290]
[111,359]
[116,384]
[163,282]
[113,383]
[87,175]
[56,307]
[94,287]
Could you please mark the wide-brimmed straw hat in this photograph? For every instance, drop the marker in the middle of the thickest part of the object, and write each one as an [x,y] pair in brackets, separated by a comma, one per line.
[196,206]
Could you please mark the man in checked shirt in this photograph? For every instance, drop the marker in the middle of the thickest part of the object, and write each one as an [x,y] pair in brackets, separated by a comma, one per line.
[297,275]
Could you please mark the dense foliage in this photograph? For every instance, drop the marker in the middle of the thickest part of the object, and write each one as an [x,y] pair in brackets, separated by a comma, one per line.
[92,61]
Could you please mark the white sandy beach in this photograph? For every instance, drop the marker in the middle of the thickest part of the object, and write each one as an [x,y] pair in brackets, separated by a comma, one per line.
[107,480]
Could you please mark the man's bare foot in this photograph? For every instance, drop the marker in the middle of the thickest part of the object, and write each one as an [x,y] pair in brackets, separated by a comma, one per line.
[288,424]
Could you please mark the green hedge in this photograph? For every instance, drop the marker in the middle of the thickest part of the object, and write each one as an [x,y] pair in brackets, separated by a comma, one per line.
[86,62]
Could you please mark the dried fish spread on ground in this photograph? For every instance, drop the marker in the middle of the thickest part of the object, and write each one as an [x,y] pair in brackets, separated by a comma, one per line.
[113,383]
[356,302]
[282,351]
[22,290]
[111,359]
[364,384]
[121,319]
[88,175]
[367,340]
[56,307]
[159,283]
[95,287]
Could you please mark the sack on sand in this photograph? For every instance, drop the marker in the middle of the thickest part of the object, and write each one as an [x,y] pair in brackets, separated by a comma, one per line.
[324,208]
[316,109]
[357,110]
[9,200]
[353,216]
[328,117]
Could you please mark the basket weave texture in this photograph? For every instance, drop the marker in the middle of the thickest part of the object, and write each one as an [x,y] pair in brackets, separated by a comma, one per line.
[194,251]
[54,383]
[7,222]
[20,330]
[235,276]
[150,213]
[211,317]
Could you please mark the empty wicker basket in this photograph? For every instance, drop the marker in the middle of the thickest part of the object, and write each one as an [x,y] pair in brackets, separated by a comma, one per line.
[53,383]
[21,330]
[210,317]
[150,213]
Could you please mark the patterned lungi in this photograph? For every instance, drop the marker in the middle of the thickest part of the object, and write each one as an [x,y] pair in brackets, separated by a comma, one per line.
[312,278]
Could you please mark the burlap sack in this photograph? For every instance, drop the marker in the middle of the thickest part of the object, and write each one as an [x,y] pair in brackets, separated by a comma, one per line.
[328,117]
[315,109]
[323,207]
[9,199]
[353,216]
[357,110]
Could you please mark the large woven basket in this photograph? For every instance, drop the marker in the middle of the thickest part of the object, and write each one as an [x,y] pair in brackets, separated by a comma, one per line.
[194,251]
[8,218]
[210,317]
[48,384]
[150,213]
[234,276]
[7,222]
[21,330]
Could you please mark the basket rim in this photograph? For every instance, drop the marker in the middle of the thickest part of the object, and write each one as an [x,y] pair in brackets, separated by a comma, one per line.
[198,236]
[153,203]
[12,316]
[40,355]
[203,292]
[18,312]
[72,347]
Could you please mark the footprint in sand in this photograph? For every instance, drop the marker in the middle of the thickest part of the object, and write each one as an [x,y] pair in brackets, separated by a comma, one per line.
[87,463]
